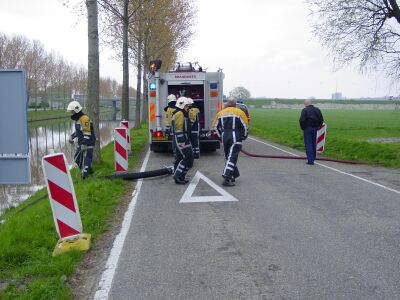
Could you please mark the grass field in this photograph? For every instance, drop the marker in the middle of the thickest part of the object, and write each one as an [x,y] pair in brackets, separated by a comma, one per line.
[47,114]
[347,135]
[258,103]
[28,236]
[36,116]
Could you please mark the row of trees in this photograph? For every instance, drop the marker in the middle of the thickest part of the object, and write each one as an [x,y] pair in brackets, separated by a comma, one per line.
[143,30]
[140,31]
[49,75]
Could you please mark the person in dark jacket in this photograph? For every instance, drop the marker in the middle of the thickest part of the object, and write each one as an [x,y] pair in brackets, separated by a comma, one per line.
[84,133]
[310,120]
[181,129]
[231,125]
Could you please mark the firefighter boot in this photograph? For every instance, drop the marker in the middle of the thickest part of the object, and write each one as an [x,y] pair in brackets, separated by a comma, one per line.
[228,182]
[181,181]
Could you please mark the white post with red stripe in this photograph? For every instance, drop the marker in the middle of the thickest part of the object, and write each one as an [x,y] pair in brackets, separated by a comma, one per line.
[321,136]
[63,204]
[125,124]
[120,149]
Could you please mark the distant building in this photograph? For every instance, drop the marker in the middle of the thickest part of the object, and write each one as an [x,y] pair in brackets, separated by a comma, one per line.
[337,96]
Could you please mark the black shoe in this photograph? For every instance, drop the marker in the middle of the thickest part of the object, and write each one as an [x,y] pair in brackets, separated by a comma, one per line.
[227,182]
[180,181]
[308,163]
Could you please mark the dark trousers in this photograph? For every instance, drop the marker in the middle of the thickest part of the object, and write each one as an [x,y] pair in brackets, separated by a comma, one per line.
[310,142]
[194,140]
[183,161]
[232,148]
[83,158]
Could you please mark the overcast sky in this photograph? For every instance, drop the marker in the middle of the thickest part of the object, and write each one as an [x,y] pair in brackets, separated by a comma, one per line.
[264,45]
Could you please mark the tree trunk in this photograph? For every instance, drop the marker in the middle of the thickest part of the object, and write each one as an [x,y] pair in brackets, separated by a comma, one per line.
[93,73]
[138,86]
[396,10]
[145,111]
[125,65]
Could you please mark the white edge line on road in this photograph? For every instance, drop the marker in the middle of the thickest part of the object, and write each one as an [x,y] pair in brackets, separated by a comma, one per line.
[112,262]
[333,169]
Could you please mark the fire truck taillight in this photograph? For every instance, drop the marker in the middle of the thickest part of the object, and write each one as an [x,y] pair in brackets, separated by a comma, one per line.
[152,88]
[212,134]
[159,135]
[213,93]
[213,89]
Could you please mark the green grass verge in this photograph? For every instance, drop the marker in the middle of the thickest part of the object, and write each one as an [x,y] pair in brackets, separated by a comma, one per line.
[258,103]
[43,116]
[46,114]
[347,134]
[28,237]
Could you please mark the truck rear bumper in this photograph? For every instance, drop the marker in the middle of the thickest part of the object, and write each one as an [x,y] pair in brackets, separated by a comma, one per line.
[166,146]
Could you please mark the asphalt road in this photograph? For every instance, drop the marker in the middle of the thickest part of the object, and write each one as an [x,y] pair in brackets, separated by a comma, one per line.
[296,232]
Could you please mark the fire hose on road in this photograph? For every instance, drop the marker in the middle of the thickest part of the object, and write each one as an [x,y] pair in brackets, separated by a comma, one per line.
[303,157]
[139,175]
[169,170]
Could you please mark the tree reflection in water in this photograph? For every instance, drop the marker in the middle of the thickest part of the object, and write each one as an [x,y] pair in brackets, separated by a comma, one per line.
[44,140]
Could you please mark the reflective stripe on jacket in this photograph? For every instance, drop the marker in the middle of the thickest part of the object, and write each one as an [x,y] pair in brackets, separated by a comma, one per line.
[231,119]
[180,127]
[84,131]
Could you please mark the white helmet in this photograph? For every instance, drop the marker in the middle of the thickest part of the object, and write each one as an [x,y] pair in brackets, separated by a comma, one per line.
[74,106]
[171,98]
[181,102]
[189,101]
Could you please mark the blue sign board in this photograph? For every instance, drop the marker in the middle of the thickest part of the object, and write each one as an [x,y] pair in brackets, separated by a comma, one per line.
[14,146]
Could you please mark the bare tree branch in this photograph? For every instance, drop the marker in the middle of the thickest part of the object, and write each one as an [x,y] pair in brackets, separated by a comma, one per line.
[359,31]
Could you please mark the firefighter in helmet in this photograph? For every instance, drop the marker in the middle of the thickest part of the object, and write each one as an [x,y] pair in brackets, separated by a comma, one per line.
[231,125]
[84,133]
[181,128]
[194,115]
[169,109]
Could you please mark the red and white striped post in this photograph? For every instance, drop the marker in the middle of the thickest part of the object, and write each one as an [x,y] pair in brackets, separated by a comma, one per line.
[120,150]
[63,204]
[125,124]
[321,135]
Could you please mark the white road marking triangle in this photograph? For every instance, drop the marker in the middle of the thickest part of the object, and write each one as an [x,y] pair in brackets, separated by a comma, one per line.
[188,198]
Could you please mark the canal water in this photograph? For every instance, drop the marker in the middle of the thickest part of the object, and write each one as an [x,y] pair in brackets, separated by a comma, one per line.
[49,139]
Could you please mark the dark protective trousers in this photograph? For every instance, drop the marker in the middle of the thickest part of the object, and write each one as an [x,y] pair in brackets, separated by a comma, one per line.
[83,158]
[232,147]
[183,161]
[194,140]
[310,142]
